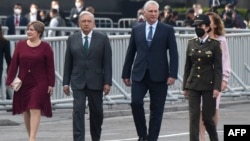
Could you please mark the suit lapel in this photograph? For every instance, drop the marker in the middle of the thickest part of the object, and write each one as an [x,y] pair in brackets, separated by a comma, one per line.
[92,42]
[12,21]
[157,33]
[21,20]
[142,33]
[80,42]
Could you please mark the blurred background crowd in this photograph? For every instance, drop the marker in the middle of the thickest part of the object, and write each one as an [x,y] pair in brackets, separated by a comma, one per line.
[60,13]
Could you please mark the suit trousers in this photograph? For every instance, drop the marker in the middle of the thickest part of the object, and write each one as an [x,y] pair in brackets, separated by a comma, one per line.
[158,93]
[208,112]
[95,103]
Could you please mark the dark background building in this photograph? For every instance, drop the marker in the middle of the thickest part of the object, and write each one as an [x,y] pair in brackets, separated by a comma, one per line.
[113,9]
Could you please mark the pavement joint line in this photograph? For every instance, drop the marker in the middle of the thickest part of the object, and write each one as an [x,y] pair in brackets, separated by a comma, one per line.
[160,136]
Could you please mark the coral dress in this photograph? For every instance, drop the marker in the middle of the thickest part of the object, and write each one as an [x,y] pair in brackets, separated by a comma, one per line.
[35,67]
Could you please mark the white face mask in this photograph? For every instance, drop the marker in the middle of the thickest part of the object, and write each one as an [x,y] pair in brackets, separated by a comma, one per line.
[56,7]
[200,11]
[33,10]
[78,4]
[141,17]
[17,11]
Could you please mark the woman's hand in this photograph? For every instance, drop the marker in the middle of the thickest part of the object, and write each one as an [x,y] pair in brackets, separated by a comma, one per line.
[185,93]
[223,85]
[216,93]
[50,90]
[10,86]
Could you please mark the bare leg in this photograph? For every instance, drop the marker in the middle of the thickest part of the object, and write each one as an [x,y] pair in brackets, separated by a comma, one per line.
[202,129]
[26,116]
[35,116]
[216,117]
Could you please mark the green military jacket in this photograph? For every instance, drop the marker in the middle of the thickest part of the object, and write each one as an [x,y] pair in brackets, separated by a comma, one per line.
[203,67]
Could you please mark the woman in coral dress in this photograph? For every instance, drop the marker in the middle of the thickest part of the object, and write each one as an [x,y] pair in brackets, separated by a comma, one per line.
[33,64]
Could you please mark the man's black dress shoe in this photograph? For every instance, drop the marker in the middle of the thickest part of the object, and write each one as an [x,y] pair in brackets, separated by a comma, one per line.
[144,138]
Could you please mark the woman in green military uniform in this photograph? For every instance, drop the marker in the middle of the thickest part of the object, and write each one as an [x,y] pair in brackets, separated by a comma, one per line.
[202,78]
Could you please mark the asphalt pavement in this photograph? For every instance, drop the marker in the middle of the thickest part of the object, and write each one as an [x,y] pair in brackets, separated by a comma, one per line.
[118,123]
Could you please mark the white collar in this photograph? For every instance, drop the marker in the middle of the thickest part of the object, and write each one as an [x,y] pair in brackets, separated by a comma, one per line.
[153,25]
[89,35]
[203,39]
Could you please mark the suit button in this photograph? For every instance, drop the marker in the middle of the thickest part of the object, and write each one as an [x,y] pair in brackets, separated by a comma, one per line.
[198,67]
[29,70]
[211,82]
[198,76]
[199,59]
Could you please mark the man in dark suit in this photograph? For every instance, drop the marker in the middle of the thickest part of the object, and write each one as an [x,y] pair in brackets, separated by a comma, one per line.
[150,42]
[88,70]
[34,14]
[4,54]
[75,11]
[17,19]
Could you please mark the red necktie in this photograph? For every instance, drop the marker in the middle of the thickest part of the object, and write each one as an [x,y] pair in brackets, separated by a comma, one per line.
[17,21]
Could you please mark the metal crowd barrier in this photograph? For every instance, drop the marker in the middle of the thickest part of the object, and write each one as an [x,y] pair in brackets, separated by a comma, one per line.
[3,19]
[104,22]
[4,30]
[64,31]
[239,83]
[126,22]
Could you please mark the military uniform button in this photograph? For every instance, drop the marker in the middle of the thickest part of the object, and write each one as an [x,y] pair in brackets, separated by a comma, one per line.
[199,59]
[199,51]
[198,76]
[198,67]
[211,82]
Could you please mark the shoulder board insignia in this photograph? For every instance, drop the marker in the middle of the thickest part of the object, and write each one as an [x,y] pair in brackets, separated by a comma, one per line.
[211,39]
[195,38]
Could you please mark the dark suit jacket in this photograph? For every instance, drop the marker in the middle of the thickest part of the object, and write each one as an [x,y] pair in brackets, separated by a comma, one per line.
[203,68]
[153,58]
[10,23]
[74,14]
[93,69]
[4,53]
